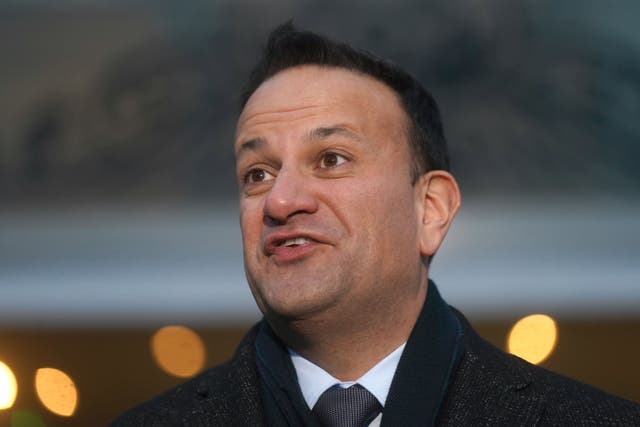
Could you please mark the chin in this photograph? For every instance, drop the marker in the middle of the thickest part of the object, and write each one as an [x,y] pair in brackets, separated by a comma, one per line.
[296,299]
[290,310]
[291,307]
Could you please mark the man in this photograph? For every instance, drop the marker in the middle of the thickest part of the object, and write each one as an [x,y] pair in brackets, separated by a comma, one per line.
[345,197]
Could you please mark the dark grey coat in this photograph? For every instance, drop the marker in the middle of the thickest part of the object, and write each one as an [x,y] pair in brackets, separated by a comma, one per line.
[488,388]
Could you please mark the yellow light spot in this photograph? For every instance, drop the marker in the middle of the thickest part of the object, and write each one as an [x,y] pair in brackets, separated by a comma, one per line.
[8,387]
[533,338]
[178,350]
[56,391]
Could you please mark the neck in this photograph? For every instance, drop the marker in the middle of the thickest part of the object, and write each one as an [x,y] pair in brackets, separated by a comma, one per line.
[347,345]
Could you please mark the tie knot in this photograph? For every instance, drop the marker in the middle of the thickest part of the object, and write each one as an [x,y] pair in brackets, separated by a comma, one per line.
[347,407]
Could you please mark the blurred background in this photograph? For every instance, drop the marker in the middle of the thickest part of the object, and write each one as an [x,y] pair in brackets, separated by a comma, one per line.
[120,257]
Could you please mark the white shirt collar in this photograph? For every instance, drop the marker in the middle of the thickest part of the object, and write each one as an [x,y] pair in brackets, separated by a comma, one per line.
[314,380]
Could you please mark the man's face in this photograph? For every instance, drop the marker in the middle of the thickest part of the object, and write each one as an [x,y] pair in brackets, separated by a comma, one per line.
[328,212]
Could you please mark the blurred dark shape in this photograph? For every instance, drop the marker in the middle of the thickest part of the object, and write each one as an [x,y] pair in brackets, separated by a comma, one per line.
[41,143]
[529,106]
[156,124]
[162,120]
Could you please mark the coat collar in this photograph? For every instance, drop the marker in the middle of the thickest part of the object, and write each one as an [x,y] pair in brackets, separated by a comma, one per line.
[485,385]
[426,366]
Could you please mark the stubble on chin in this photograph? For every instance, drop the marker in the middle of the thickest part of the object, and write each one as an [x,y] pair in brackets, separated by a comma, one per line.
[287,299]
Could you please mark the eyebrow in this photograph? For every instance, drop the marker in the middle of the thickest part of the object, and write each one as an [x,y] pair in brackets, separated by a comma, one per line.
[325,132]
[250,145]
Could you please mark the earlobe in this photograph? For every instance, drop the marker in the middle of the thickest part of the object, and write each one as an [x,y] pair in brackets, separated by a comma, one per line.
[438,199]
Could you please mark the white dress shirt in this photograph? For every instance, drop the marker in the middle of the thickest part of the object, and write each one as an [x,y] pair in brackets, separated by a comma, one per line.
[314,380]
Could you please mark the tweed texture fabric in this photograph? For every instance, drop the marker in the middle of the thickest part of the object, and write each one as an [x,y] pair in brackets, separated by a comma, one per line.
[492,388]
[354,406]
[488,388]
[227,395]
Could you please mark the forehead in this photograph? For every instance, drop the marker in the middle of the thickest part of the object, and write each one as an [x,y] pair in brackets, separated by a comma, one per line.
[323,93]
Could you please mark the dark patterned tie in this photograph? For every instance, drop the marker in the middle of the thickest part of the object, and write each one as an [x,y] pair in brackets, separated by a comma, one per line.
[347,407]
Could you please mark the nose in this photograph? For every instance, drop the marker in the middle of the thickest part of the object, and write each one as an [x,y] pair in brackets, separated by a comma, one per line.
[289,195]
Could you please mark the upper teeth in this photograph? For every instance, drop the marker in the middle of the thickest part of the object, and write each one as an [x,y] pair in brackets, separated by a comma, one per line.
[296,241]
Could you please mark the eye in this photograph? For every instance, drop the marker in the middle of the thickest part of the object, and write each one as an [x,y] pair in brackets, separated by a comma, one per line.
[331,160]
[257,175]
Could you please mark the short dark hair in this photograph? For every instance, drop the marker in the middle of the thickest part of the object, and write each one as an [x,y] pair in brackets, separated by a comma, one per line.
[289,47]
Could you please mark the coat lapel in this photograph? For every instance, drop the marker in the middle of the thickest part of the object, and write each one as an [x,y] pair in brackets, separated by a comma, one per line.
[233,397]
[490,388]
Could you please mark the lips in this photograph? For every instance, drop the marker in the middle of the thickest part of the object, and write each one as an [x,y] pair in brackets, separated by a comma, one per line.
[289,246]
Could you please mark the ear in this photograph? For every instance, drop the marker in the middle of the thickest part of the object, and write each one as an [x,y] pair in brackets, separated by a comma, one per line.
[438,200]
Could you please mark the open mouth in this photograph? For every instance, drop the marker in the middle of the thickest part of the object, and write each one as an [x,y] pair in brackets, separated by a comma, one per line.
[292,243]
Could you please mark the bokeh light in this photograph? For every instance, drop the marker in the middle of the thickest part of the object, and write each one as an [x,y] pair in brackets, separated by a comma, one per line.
[57,391]
[8,387]
[533,338]
[178,350]
[24,418]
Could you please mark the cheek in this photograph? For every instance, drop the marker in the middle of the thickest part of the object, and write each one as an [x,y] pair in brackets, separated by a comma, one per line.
[394,211]
[383,211]
[250,223]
